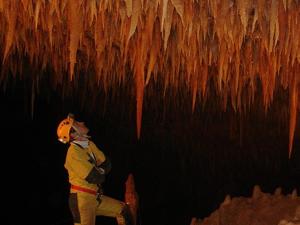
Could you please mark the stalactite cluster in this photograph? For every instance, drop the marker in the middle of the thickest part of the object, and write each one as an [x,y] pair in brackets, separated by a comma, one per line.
[184,43]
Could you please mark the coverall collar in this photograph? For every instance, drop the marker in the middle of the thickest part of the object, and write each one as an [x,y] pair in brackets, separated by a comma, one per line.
[83,144]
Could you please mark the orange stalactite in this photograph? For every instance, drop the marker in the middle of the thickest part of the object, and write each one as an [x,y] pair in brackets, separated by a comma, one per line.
[154,42]
[75,26]
[194,92]
[179,6]
[11,16]
[128,7]
[293,110]
[136,11]
[139,70]
[168,24]
[1,5]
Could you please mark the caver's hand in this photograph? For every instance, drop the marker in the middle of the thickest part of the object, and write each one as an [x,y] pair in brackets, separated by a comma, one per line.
[96,176]
[105,166]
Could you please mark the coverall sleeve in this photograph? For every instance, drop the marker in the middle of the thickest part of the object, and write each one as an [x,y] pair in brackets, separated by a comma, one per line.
[100,157]
[102,161]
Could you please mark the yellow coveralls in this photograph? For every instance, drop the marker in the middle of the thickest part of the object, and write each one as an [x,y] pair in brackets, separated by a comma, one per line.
[84,198]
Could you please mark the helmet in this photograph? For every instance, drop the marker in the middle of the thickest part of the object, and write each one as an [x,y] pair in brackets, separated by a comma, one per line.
[63,129]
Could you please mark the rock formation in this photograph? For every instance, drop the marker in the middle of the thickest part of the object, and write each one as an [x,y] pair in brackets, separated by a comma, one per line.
[260,209]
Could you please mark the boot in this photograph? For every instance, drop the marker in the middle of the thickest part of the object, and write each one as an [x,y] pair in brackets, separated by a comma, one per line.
[125,218]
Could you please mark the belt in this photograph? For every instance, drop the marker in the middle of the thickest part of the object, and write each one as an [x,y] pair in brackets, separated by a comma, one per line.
[78,188]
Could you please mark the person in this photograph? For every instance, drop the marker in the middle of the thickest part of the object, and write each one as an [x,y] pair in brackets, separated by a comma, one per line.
[87,168]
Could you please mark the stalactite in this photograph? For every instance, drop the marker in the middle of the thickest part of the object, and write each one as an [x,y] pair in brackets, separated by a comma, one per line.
[136,11]
[164,14]
[274,25]
[194,92]
[140,83]
[155,48]
[129,7]
[11,15]
[243,7]
[74,16]
[179,6]
[168,23]
[293,111]
[1,5]
[37,13]
[92,11]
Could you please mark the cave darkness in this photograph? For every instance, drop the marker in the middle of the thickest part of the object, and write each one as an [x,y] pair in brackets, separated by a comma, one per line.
[184,163]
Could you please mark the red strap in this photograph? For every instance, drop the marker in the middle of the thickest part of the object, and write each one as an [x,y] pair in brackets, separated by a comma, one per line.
[74,187]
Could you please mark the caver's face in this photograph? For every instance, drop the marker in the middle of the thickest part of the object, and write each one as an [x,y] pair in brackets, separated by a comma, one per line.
[79,130]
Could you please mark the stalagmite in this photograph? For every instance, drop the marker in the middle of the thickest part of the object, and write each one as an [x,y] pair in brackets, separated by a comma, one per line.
[294,194]
[257,193]
[193,221]
[131,197]
[226,201]
[278,191]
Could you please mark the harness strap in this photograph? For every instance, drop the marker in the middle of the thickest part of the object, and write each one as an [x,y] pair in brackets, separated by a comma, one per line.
[82,189]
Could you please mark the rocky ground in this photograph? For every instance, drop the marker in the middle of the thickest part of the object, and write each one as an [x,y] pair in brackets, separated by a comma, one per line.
[260,209]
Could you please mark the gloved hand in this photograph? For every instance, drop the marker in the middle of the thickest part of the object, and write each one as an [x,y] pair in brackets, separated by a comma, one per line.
[96,176]
[105,166]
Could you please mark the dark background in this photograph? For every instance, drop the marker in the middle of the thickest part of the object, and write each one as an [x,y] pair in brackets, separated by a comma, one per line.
[184,164]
